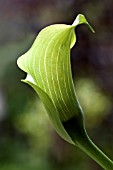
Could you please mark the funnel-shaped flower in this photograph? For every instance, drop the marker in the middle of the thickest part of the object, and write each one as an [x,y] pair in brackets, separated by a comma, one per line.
[48,69]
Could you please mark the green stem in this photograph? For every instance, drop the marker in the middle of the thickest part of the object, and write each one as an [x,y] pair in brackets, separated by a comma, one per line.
[95,153]
[76,129]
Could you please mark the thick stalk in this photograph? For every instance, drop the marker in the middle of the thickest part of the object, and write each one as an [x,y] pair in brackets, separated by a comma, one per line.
[95,153]
[76,129]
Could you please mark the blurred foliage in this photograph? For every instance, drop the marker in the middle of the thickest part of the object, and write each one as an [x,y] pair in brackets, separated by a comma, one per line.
[35,124]
[94,102]
[27,139]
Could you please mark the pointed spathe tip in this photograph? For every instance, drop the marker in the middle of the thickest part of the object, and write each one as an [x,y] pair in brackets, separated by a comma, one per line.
[80,19]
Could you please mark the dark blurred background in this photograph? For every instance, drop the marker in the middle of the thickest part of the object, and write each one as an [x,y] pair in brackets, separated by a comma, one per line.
[27,138]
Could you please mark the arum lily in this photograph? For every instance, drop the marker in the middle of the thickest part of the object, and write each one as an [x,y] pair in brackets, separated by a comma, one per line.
[47,64]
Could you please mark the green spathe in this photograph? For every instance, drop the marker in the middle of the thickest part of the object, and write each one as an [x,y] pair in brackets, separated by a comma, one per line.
[47,64]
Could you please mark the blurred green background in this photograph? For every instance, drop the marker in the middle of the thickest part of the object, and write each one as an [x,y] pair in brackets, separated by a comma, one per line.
[27,138]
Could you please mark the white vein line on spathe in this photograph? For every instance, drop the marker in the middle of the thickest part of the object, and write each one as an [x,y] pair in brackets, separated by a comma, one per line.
[45,57]
[39,59]
[65,84]
[53,75]
[71,85]
[54,83]
[68,80]
[50,32]
[33,59]
[58,80]
[38,66]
